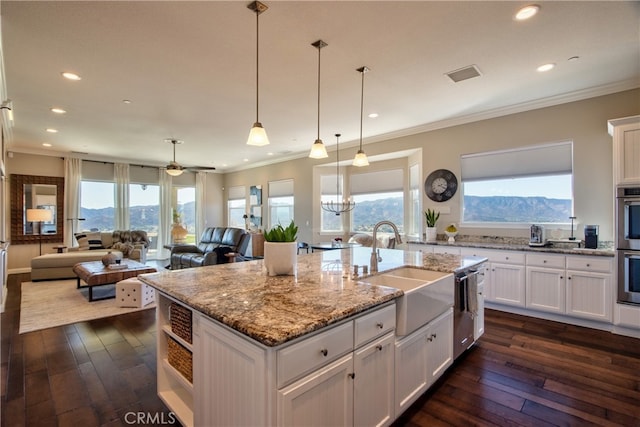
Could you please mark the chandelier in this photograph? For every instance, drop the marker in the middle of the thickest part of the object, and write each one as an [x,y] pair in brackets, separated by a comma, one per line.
[338,206]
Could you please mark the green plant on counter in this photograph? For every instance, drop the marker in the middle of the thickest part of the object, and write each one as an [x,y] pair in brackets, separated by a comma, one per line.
[282,234]
[432,217]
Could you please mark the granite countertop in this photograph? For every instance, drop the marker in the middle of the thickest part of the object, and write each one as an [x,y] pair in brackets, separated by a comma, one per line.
[274,310]
[519,244]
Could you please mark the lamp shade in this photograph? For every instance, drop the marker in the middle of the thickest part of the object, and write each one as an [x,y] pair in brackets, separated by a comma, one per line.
[360,159]
[318,150]
[174,172]
[258,136]
[39,215]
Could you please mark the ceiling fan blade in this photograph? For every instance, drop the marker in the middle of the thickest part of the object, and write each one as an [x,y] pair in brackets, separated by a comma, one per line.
[200,168]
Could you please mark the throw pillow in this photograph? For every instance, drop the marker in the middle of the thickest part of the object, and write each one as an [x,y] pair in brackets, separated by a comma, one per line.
[83,241]
[125,248]
[95,242]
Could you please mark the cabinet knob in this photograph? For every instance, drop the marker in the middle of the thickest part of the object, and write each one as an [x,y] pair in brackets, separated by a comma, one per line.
[561,277]
[352,375]
[506,257]
[569,277]
[588,265]
[380,325]
[324,352]
[379,347]
[544,261]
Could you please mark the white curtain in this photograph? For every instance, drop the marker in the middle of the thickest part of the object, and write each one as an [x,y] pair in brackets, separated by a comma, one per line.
[201,208]
[121,171]
[164,216]
[72,179]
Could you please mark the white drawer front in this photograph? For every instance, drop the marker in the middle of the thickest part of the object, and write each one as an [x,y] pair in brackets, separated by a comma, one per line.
[545,260]
[374,324]
[603,265]
[314,352]
[507,258]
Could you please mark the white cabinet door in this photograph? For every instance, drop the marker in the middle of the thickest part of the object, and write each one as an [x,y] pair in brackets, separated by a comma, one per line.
[229,379]
[439,346]
[373,383]
[323,398]
[589,295]
[478,321]
[507,284]
[626,150]
[546,289]
[411,372]
[446,250]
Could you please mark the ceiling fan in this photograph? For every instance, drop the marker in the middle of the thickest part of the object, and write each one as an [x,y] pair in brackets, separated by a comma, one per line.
[174,168]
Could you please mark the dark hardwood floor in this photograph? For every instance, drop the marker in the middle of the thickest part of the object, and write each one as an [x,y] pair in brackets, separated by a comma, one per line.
[523,372]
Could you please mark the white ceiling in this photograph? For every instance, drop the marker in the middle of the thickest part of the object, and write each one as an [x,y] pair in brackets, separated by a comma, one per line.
[189,70]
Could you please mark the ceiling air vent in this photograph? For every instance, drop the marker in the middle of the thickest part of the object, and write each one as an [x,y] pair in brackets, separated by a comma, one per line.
[465,73]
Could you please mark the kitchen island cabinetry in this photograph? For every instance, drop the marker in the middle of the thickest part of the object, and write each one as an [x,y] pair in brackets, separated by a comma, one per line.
[421,358]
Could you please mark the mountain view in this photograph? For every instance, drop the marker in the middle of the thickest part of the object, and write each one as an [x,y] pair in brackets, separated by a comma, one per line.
[516,209]
[141,218]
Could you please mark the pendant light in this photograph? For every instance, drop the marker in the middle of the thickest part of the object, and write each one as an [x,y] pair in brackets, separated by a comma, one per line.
[257,136]
[318,150]
[338,206]
[361,158]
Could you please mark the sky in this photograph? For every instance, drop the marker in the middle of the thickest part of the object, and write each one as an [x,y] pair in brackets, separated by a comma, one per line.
[95,195]
[553,187]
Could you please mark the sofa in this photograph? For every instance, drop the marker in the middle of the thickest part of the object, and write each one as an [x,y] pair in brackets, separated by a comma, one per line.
[92,246]
[214,243]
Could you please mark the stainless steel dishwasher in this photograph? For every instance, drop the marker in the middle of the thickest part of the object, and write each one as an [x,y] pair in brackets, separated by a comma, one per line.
[465,309]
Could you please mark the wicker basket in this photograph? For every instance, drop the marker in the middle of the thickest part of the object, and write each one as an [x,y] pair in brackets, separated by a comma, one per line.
[180,358]
[181,321]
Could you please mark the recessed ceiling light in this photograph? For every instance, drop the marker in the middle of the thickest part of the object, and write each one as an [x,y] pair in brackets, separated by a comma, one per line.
[71,76]
[573,58]
[245,160]
[126,101]
[373,115]
[58,110]
[51,130]
[269,154]
[546,67]
[46,144]
[527,12]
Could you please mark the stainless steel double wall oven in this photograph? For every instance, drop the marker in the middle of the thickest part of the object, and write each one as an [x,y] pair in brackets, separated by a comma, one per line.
[628,243]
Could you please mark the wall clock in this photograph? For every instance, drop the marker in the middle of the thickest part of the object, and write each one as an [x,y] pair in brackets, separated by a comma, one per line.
[440,185]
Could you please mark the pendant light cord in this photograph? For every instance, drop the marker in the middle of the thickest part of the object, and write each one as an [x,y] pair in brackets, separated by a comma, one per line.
[257,65]
[362,106]
[337,166]
[319,49]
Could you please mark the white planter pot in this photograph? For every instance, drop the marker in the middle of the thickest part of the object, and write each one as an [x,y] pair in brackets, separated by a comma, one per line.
[280,258]
[431,234]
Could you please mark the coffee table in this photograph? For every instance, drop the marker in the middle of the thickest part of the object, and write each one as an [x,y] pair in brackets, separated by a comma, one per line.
[95,273]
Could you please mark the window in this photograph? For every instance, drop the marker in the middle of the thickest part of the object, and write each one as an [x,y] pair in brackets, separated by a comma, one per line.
[329,221]
[97,205]
[280,202]
[237,207]
[521,186]
[415,214]
[144,206]
[184,203]
[378,196]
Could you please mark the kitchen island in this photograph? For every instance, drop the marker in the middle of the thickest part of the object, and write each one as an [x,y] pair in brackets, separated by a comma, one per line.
[266,349]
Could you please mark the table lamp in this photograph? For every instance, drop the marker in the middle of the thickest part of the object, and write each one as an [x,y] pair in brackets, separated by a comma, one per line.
[40,216]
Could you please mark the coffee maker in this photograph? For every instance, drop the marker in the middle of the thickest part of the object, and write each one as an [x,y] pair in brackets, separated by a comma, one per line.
[537,236]
[591,236]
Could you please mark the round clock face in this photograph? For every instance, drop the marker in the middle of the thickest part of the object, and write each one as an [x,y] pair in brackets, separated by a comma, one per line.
[441,185]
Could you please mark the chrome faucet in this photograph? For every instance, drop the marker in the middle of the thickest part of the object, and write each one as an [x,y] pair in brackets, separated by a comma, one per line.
[375,253]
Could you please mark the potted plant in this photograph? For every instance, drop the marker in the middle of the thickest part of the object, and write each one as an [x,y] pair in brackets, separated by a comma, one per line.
[280,250]
[431,216]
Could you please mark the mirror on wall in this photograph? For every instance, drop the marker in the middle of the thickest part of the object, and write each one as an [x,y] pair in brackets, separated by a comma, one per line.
[36,209]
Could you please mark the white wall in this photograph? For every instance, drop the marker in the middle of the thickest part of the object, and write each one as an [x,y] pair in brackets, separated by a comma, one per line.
[584,122]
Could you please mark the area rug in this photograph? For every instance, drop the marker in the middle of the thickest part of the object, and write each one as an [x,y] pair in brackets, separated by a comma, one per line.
[58,302]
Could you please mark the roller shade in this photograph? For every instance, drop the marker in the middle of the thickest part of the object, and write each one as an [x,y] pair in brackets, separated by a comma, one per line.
[282,188]
[328,185]
[237,193]
[377,182]
[550,159]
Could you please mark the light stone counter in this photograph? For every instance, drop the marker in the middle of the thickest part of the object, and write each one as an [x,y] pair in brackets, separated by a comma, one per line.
[274,310]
